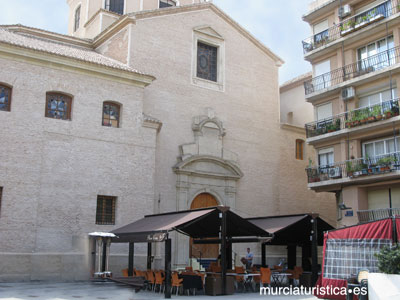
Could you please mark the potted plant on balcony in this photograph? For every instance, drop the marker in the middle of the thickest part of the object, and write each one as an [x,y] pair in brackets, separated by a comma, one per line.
[349,169]
[357,170]
[384,163]
[312,172]
[347,27]
[376,111]
[388,114]
[395,109]
[385,285]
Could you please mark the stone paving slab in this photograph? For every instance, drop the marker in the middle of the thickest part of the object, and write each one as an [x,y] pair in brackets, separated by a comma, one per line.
[105,291]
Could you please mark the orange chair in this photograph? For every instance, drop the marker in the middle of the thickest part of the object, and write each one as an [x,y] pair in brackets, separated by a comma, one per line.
[124,272]
[265,276]
[296,272]
[239,279]
[278,268]
[159,279]
[189,269]
[176,282]
[151,279]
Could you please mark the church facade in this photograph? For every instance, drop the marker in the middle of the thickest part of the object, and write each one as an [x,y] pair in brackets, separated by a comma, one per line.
[145,107]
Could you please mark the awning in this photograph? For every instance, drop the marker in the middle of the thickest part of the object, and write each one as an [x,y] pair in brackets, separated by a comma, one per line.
[201,223]
[291,229]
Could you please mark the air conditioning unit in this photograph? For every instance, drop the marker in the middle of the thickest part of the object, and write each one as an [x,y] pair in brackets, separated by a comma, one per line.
[348,93]
[335,172]
[344,11]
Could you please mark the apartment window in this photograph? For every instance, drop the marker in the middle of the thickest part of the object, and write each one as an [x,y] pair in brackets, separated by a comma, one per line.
[5,97]
[116,6]
[324,111]
[111,114]
[166,3]
[299,149]
[321,32]
[378,97]
[322,70]
[380,147]
[325,157]
[105,211]
[207,61]
[77,18]
[368,55]
[58,106]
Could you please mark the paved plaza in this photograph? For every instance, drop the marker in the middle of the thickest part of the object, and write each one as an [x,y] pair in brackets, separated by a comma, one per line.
[104,291]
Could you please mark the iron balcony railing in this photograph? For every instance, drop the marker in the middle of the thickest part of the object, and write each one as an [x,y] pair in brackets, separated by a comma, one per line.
[355,168]
[356,22]
[373,63]
[354,118]
[377,214]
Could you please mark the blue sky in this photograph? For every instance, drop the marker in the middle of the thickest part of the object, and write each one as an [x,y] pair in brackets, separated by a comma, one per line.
[277,24]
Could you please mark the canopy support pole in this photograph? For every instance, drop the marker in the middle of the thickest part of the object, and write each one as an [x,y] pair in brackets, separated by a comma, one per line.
[223,251]
[263,255]
[167,290]
[104,258]
[148,256]
[131,258]
[314,250]
[291,256]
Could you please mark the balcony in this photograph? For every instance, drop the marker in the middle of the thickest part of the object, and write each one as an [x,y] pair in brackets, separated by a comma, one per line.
[355,169]
[355,118]
[377,214]
[371,64]
[354,23]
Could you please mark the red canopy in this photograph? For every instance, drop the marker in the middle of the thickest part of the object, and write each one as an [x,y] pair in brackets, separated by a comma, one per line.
[398,228]
[348,250]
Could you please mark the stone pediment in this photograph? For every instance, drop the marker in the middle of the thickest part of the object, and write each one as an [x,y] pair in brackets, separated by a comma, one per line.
[208,166]
[207,30]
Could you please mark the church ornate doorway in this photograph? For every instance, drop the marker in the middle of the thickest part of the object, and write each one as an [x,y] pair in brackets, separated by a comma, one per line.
[204,251]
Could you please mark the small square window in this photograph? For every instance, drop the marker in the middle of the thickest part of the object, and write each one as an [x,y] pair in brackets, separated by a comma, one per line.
[5,98]
[207,61]
[111,114]
[115,6]
[58,106]
[105,211]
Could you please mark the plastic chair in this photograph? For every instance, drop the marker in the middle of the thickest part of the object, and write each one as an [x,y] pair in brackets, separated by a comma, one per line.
[150,279]
[239,280]
[265,276]
[124,272]
[176,282]
[159,280]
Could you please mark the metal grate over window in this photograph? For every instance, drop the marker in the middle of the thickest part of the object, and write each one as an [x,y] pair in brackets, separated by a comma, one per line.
[345,257]
[207,61]
[105,211]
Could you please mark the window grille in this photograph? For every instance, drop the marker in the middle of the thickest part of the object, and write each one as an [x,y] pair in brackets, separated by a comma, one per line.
[111,114]
[5,98]
[105,211]
[58,106]
[207,62]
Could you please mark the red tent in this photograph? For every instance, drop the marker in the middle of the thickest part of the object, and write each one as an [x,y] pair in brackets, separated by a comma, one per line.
[398,228]
[350,249]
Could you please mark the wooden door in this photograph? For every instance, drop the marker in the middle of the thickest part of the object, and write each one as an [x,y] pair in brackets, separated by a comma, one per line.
[207,251]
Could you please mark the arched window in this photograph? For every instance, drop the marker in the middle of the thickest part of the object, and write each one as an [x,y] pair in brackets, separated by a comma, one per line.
[5,97]
[77,18]
[111,114]
[300,149]
[166,3]
[116,6]
[58,106]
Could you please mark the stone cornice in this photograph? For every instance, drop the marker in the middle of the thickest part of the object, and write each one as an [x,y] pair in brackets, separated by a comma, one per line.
[112,29]
[70,64]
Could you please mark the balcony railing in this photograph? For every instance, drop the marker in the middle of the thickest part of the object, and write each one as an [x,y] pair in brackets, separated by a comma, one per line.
[354,118]
[355,168]
[373,63]
[377,214]
[356,22]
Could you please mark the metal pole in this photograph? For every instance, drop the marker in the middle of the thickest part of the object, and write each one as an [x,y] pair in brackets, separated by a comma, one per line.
[131,258]
[263,255]
[167,291]
[223,251]
[103,265]
[108,243]
[314,251]
[148,256]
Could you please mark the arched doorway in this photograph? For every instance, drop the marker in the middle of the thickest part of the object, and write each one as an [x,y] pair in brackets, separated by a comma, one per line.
[205,251]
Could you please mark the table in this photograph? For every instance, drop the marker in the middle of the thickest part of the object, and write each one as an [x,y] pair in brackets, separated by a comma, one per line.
[279,278]
[192,282]
[248,278]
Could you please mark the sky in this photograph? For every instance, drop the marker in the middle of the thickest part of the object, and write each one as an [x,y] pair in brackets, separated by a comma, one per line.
[277,24]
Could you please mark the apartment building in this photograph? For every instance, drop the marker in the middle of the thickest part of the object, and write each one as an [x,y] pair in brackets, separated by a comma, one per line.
[354,50]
